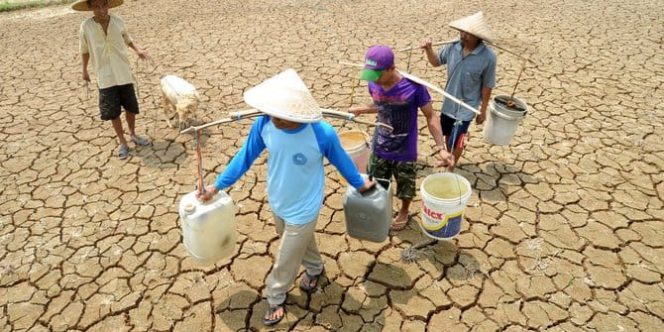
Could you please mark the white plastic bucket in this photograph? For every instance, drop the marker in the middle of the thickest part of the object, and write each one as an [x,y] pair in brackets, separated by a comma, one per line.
[355,142]
[503,121]
[444,199]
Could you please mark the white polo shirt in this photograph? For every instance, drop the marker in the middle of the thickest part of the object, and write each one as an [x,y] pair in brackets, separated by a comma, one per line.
[108,52]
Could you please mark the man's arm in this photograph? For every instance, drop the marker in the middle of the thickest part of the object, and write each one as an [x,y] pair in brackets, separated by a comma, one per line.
[142,54]
[241,162]
[364,109]
[84,49]
[486,96]
[488,83]
[139,51]
[433,124]
[86,58]
[432,57]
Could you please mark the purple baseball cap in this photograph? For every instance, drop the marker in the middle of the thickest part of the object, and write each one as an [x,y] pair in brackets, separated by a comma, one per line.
[377,59]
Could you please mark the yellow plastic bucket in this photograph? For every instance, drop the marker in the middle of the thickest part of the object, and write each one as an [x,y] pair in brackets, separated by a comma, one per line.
[356,144]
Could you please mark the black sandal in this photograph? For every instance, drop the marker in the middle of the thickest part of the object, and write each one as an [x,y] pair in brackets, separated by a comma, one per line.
[306,284]
[270,311]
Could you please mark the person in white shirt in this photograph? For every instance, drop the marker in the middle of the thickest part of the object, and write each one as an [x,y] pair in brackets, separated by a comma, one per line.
[104,40]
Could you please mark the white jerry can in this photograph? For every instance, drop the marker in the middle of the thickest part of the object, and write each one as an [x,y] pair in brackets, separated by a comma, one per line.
[208,229]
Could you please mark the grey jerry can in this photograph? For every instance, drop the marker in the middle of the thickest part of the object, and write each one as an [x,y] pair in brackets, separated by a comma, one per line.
[369,215]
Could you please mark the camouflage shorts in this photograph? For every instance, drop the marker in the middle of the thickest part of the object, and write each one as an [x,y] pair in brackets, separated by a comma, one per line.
[404,172]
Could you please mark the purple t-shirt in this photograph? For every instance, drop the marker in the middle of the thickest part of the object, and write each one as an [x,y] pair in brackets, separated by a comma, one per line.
[398,108]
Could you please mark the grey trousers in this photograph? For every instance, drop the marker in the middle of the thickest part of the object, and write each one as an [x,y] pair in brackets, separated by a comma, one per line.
[298,246]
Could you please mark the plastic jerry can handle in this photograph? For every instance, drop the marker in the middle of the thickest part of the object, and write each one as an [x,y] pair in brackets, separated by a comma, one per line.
[370,190]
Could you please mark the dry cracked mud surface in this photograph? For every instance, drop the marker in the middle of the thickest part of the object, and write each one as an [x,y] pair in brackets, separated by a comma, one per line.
[564,230]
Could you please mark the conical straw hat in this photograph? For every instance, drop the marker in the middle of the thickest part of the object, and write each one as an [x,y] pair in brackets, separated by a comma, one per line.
[285,96]
[82,5]
[475,25]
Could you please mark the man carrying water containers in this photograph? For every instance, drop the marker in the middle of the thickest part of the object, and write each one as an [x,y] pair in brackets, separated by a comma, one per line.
[471,75]
[396,100]
[297,140]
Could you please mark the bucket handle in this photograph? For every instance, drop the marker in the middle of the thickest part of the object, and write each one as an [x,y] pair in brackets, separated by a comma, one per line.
[507,117]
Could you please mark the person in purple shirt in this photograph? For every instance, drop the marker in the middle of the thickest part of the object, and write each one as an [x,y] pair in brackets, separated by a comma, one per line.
[396,101]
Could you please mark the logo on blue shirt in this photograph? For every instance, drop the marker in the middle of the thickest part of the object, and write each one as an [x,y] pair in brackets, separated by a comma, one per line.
[299,159]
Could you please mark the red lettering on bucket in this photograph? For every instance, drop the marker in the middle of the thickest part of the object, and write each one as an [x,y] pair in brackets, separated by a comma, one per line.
[433,214]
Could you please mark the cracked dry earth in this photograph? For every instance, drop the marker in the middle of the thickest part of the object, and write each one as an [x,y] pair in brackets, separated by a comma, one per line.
[564,230]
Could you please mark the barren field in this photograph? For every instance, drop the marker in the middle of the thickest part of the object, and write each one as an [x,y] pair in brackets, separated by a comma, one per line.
[564,230]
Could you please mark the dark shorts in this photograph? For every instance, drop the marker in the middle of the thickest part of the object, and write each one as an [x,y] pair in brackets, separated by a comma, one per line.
[404,172]
[453,135]
[112,99]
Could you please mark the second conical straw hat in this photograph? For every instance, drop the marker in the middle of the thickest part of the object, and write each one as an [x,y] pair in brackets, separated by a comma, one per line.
[475,25]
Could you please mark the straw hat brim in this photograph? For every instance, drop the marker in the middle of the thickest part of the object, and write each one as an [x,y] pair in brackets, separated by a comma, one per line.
[285,96]
[82,5]
[475,25]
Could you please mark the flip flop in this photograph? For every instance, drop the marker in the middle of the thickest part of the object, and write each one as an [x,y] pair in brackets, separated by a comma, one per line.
[398,226]
[270,311]
[123,152]
[308,282]
[140,141]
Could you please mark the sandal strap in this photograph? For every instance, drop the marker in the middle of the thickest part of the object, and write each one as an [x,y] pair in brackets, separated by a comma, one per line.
[397,226]
[315,278]
[272,308]
[311,281]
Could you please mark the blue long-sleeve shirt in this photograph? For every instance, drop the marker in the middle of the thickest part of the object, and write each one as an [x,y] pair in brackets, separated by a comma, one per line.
[295,174]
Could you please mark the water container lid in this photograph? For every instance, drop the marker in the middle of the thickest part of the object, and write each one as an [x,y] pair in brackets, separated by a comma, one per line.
[190,208]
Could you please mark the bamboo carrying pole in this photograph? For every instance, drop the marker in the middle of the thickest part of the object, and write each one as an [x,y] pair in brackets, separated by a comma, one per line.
[240,115]
[516,55]
[423,82]
[234,116]
[353,117]
[510,103]
[437,89]
[492,44]
[432,44]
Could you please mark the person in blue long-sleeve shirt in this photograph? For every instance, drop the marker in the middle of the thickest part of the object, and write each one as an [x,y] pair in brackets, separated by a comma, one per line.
[295,182]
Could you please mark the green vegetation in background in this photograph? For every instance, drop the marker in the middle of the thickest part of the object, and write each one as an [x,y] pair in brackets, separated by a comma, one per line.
[6,6]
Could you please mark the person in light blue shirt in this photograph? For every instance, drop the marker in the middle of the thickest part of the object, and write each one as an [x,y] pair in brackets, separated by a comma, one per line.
[471,77]
[295,174]
[297,141]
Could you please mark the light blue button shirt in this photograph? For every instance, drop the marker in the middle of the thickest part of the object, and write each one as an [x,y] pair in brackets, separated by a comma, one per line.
[466,76]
